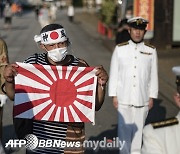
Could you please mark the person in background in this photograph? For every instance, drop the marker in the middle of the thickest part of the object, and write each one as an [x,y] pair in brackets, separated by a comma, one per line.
[7,16]
[133,84]
[14,8]
[70,13]
[98,5]
[3,63]
[56,53]
[53,12]
[163,137]
[36,10]
[44,16]
[2,5]
[122,34]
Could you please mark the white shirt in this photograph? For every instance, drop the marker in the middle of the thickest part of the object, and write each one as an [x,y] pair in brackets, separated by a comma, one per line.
[165,140]
[44,14]
[134,74]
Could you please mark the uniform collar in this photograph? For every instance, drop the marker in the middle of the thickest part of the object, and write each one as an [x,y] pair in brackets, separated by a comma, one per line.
[135,44]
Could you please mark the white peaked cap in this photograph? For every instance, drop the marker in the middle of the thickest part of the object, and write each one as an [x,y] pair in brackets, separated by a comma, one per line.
[176,70]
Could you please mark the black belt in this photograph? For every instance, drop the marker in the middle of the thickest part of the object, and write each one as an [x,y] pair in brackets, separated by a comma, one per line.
[136,106]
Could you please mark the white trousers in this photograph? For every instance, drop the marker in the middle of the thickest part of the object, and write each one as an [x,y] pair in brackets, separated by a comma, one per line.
[131,121]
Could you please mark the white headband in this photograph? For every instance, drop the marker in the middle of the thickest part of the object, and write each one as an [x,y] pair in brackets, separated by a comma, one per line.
[54,36]
[37,38]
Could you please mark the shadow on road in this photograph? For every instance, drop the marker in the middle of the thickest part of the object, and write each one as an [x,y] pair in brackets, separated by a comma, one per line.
[8,133]
[109,134]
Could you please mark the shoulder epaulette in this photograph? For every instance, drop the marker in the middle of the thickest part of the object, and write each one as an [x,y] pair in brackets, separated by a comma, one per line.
[165,123]
[124,43]
[149,45]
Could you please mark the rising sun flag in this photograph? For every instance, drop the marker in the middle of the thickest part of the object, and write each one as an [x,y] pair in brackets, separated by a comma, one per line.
[55,93]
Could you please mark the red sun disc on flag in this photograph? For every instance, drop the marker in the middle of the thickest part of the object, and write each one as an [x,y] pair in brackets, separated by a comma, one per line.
[66,93]
[54,35]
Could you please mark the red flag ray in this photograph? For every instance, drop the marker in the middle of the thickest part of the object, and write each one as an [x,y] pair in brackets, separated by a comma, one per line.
[66,117]
[61,118]
[57,115]
[74,114]
[43,111]
[85,103]
[64,69]
[45,72]
[52,71]
[21,89]
[86,83]
[18,109]
[81,72]
[53,114]
[59,68]
[36,74]
[70,116]
[35,112]
[80,114]
[21,98]
[85,98]
[23,80]
[85,111]
[74,69]
[69,70]
[86,76]
[49,113]
[87,93]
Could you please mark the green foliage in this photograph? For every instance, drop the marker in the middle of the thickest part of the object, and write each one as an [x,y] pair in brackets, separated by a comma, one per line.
[108,10]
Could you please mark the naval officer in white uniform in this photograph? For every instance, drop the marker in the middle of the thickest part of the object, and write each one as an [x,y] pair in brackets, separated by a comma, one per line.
[164,137]
[133,84]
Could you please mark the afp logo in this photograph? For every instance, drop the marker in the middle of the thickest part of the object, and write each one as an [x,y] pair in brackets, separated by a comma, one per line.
[30,142]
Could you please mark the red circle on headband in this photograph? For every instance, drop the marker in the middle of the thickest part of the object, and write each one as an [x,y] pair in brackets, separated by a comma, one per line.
[54,35]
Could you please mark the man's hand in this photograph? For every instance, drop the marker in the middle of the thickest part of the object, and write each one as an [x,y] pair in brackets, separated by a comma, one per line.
[102,78]
[151,103]
[115,102]
[10,72]
[102,75]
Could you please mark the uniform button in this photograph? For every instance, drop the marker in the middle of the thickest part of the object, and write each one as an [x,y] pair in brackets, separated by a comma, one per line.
[134,76]
[135,57]
[134,85]
[134,66]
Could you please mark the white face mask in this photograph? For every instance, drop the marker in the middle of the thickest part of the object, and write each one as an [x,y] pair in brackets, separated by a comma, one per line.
[57,54]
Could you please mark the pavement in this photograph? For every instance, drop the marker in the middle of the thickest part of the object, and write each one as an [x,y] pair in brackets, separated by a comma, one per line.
[167,58]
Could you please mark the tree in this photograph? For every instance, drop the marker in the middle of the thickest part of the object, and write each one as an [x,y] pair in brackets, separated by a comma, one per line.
[108,11]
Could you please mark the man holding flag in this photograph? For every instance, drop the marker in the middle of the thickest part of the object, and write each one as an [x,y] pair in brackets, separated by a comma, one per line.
[59,96]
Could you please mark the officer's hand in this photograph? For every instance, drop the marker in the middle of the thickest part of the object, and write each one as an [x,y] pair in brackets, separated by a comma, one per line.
[115,102]
[102,75]
[10,72]
[3,99]
[151,103]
